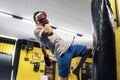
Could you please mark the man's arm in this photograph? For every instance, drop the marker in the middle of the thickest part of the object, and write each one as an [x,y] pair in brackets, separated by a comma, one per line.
[48,31]
[46,57]
[44,51]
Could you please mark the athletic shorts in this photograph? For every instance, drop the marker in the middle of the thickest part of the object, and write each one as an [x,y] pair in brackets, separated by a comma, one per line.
[64,61]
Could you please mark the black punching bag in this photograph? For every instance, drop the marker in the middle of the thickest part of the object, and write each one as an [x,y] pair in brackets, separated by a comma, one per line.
[5,66]
[104,61]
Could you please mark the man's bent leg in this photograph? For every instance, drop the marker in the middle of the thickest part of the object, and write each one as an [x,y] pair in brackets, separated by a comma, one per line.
[82,60]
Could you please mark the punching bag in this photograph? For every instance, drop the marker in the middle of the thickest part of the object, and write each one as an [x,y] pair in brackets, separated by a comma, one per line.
[5,66]
[104,61]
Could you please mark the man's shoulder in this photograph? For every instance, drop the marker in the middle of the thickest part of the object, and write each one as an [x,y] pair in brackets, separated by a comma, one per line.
[37,30]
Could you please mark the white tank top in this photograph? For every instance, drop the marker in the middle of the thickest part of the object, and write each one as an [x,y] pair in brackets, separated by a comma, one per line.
[56,44]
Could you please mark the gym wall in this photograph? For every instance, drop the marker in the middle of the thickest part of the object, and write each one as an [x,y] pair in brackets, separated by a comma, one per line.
[116,10]
[25,67]
[117,34]
[28,54]
[7,45]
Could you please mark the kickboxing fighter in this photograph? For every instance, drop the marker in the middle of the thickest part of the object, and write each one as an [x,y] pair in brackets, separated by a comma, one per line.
[63,50]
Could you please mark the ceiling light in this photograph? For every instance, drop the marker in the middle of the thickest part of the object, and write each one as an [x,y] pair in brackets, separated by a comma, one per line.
[8,37]
[3,14]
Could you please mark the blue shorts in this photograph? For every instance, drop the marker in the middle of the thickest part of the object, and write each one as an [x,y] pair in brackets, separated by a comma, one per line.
[64,61]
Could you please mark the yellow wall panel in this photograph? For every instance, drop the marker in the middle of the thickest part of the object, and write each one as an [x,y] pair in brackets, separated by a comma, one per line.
[56,73]
[117,32]
[112,2]
[119,8]
[0,47]
[25,69]
[117,36]
[7,48]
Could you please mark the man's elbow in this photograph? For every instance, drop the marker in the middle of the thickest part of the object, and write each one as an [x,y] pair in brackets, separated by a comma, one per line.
[50,33]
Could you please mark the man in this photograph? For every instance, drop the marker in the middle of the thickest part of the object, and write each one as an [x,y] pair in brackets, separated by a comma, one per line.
[63,50]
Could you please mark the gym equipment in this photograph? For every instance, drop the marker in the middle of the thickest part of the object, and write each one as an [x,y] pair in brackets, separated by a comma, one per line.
[5,66]
[104,61]
[29,47]
[36,66]
[35,61]
[86,71]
